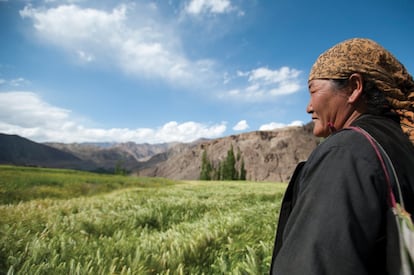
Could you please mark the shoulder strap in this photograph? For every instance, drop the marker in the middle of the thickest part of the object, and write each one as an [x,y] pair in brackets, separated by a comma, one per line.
[386,165]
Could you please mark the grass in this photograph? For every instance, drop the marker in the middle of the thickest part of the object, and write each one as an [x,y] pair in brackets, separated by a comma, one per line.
[134,225]
[19,184]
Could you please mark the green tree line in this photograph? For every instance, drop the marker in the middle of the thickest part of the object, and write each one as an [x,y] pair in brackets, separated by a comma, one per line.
[223,170]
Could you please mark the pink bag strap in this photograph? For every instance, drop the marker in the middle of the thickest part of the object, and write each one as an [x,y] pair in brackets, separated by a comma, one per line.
[379,151]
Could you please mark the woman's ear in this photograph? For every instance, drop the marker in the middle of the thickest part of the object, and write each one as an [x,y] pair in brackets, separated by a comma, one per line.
[356,86]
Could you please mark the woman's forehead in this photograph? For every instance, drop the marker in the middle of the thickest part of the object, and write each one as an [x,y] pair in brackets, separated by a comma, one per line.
[315,83]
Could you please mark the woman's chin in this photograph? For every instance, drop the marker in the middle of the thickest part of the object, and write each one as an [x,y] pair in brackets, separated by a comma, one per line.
[321,132]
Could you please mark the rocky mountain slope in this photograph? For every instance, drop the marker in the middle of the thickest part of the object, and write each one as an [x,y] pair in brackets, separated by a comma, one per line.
[17,150]
[129,155]
[267,155]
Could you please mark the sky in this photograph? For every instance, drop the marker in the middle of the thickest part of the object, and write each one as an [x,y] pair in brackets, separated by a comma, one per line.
[174,70]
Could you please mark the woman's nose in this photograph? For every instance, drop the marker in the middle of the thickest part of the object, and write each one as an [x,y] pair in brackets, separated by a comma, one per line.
[309,108]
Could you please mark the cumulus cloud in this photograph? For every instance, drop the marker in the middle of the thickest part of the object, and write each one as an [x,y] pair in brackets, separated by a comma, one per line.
[241,126]
[276,125]
[208,6]
[188,131]
[26,114]
[264,83]
[130,37]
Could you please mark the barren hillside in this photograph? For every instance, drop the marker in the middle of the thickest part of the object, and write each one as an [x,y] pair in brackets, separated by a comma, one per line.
[268,155]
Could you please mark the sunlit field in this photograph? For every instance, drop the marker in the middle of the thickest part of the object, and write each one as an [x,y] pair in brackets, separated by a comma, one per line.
[68,222]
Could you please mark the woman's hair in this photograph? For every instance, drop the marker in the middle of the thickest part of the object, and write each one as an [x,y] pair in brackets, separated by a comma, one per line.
[375,100]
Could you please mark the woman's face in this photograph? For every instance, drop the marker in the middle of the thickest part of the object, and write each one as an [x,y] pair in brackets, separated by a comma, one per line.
[328,107]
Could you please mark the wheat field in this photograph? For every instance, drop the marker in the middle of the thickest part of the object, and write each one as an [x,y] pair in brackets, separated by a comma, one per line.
[69,222]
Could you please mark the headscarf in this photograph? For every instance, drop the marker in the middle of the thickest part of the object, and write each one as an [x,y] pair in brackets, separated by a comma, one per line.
[359,55]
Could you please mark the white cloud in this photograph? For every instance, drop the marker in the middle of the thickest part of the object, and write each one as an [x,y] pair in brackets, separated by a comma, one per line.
[188,131]
[276,125]
[26,114]
[131,37]
[241,126]
[296,123]
[86,57]
[16,82]
[208,6]
[264,83]
[27,109]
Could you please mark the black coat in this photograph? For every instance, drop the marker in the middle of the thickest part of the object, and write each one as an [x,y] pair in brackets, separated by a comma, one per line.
[332,219]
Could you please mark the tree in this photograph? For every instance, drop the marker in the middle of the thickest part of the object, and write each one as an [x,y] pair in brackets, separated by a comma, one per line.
[223,170]
[242,171]
[216,172]
[119,168]
[206,168]
[229,170]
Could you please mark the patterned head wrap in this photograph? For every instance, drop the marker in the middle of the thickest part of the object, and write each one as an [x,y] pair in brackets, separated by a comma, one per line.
[378,65]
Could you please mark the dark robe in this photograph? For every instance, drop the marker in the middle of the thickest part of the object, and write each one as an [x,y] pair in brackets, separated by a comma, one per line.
[332,219]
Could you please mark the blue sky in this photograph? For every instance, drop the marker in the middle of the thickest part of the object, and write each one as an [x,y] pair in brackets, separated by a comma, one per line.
[162,71]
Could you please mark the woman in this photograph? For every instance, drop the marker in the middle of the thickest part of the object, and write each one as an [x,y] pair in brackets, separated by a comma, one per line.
[332,219]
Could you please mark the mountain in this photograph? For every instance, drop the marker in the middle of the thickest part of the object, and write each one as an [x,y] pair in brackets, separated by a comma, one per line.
[107,156]
[21,151]
[267,155]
